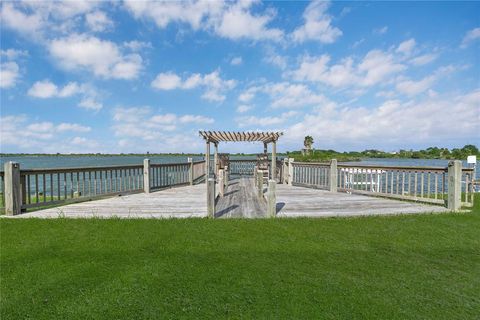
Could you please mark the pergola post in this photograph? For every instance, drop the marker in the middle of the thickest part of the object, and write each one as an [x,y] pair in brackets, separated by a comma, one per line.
[274,161]
[265,147]
[207,162]
[215,160]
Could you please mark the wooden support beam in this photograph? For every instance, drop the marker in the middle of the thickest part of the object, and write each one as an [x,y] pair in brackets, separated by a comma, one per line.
[190,171]
[146,175]
[454,201]
[12,191]
[333,175]
[221,181]
[271,199]
[207,162]
[215,160]
[211,198]
[274,161]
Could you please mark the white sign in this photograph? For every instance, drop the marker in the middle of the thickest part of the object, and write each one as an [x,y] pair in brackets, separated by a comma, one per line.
[472,159]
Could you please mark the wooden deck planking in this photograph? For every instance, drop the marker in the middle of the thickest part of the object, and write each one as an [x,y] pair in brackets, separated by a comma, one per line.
[240,201]
[305,202]
[181,202]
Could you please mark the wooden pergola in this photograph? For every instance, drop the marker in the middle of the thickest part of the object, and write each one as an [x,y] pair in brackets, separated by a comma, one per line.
[216,137]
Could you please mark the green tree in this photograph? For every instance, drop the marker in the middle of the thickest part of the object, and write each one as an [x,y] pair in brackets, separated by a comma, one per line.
[308,142]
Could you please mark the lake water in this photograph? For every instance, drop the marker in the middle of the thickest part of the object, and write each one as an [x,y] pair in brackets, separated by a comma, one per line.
[30,162]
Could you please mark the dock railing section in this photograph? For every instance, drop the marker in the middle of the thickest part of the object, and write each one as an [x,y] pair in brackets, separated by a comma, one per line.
[23,189]
[450,186]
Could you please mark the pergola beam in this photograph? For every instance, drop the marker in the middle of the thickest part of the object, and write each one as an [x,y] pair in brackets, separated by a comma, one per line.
[232,136]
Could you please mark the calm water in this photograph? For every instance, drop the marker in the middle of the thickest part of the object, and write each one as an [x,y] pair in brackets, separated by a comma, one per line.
[30,162]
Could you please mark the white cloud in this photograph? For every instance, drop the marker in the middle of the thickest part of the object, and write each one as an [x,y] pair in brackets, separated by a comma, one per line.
[12,54]
[140,129]
[236,22]
[381,30]
[47,89]
[27,24]
[98,21]
[273,58]
[287,95]
[90,103]
[412,88]
[377,66]
[470,36]
[317,24]
[212,83]
[373,69]
[236,61]
[248,94]
[423,59]
[16,131]
[253,121]
[229,20]
[136,45]
[406,47]
[74,127]
[398,123]
[244,108]
[101,57]
[167,81]
[9,74]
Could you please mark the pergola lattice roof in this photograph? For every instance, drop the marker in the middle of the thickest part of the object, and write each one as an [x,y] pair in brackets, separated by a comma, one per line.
[232,136]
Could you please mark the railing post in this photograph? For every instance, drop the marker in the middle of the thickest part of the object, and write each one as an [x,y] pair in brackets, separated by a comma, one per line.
[290,170]
[260,183]
[454,201]
[12,191]
[221,181]
[211,197]
[272,199]
[146,175]
[226,176]
[190,160]
[333,175]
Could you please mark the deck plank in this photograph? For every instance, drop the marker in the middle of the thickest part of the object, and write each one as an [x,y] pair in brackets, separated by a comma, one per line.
[240,201]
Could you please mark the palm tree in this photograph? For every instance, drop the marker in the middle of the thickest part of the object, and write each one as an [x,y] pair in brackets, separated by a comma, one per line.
[307,142]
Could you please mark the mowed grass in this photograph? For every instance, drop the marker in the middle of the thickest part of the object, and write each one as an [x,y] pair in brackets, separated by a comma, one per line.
[418,266]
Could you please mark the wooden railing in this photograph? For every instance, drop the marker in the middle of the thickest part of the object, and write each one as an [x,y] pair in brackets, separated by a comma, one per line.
[242,167]
[314,175]
[422,184]
[49,187]
[41,187]
[166,175]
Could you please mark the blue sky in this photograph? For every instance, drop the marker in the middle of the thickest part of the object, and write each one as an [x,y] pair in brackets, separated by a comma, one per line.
[129,76]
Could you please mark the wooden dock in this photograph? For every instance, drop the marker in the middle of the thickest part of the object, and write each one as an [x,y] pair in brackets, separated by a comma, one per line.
[240,201]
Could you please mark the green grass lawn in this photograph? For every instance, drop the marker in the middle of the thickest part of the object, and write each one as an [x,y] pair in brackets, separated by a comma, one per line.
[418,266]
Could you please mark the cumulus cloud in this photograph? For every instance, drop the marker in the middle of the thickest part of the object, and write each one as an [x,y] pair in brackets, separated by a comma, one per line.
[423,59]
[9,74]
[406,47]
[318,24]
[470,36]
[141,129]
[244,108]
[101,57]
[236,61]
[98,21]
[136,45]
[254,121]
[16,131]
[213,84]
[229,20]
[398,123]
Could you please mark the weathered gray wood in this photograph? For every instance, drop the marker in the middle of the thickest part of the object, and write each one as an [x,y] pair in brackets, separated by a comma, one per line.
[271,199]
[221,182]
[211,197]
[207,162]
[274,161]
[215,160]
[259,183]
[290,170]
[241,200]
[190,171]
[146,176]
[12,191]
[333,175]
[454,185]
[226,175]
